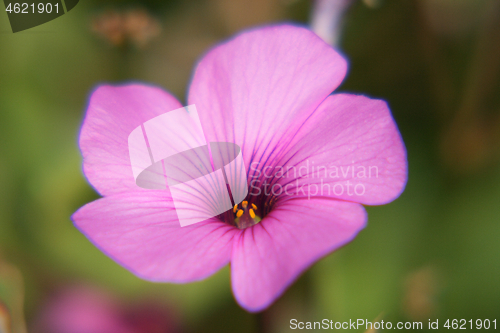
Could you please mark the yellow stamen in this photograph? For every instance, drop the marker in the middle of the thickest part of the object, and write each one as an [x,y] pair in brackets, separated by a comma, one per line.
[252,213]
[244,204]
[239,213]
[235,208]
[254,207]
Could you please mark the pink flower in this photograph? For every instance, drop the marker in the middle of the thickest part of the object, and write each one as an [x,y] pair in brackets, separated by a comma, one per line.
[268,91]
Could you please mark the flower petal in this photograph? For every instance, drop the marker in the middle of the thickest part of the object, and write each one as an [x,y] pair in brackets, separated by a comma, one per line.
[349,149]
[112,114]
[258,88]
[269,256]
[140,231]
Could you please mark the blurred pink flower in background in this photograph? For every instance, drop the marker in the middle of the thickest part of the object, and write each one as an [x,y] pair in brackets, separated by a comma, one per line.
[268,91]
[85,309]
[81,310]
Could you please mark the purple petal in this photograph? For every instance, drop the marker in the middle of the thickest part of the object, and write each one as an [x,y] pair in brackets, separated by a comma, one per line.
[113,113]
[257,89]
[140,231]
[349,149]
[269,256]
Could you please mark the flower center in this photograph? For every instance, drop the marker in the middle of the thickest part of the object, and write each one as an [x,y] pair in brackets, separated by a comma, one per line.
[245,216]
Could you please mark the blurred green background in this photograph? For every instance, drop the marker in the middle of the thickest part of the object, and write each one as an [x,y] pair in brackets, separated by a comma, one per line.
[433,253]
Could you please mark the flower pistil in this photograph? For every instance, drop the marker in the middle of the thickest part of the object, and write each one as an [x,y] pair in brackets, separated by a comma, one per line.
[245,216]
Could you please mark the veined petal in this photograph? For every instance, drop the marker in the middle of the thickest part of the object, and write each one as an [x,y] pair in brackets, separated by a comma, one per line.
[140,231]
[349,149]
[112,114]
[269,256]
[258,88]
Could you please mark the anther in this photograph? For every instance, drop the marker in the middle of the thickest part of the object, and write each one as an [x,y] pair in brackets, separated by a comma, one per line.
[244,204]
[239,213]
[235,208]
[254,207]
[252,213]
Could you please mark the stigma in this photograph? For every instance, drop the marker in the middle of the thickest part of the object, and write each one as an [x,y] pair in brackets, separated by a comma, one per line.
[245,216]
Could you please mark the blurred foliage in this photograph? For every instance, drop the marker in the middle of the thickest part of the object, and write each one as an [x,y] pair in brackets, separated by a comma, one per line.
[11,300]
[433,253]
